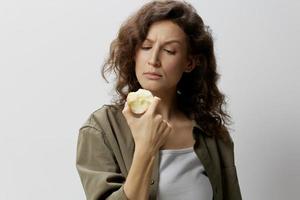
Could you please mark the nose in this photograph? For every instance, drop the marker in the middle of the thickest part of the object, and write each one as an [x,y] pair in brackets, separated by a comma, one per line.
[154,60]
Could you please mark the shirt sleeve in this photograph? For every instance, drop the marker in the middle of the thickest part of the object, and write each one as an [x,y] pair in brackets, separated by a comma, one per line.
[97,167]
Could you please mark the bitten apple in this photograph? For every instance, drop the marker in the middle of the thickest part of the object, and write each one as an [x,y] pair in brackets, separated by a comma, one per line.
[139,101]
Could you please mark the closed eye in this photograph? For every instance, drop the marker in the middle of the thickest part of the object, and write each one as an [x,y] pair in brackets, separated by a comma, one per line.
[170,52]
[145,48]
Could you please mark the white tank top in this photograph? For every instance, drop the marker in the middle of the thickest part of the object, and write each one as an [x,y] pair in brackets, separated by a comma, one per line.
[181,176]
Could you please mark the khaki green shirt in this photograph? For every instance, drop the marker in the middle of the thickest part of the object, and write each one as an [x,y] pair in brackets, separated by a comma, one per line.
[105,151]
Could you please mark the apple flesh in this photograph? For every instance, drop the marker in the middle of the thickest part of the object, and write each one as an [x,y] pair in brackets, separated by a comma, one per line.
[139,101]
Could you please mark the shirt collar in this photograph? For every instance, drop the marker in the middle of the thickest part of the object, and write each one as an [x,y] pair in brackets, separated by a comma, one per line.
[197,129]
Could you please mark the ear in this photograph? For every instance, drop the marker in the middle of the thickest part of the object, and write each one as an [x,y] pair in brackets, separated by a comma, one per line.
[191,65]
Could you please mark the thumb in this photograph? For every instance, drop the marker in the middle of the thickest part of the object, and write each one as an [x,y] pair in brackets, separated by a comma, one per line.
[153,105]
[126,110]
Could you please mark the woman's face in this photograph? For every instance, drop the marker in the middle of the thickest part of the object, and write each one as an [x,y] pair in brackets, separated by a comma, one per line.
[164,52]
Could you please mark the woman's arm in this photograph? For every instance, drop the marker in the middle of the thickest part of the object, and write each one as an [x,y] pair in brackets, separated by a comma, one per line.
[149,132]
[136,186]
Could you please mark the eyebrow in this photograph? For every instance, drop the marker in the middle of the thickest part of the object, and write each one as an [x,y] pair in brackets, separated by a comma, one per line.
[167,42]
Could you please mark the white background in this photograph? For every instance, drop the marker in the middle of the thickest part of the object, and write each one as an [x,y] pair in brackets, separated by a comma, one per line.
[51,55]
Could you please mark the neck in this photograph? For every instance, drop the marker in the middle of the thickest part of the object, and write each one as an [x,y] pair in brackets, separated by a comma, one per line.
[168,105]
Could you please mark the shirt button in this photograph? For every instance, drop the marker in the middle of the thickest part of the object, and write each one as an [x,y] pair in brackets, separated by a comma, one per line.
[152,182]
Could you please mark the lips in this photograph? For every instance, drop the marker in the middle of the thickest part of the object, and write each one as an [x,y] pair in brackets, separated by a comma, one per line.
[153,74]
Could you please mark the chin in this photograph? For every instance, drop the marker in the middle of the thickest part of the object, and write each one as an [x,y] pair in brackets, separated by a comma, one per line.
[150,86]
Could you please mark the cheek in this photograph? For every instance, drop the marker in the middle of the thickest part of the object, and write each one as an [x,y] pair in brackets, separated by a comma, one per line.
[140,61]
[174,66]
[137,63]
[141,57]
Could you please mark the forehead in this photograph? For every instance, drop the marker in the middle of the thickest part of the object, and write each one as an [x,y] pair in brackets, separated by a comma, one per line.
[166,31]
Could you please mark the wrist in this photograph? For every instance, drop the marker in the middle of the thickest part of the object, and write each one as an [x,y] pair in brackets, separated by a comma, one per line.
[144,153]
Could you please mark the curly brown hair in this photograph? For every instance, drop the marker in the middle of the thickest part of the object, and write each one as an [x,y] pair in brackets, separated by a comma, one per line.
[197,91]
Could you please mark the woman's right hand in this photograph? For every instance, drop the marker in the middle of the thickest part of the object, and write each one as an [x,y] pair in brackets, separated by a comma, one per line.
[149,130]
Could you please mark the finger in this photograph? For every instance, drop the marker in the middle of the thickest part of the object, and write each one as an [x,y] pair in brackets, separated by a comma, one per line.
[126,110]
[168,130]
[158,118]
[169,125]
[163,125]
[153,105]
[164,137]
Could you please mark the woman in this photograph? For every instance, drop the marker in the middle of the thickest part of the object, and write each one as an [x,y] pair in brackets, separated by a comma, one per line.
[180,147]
